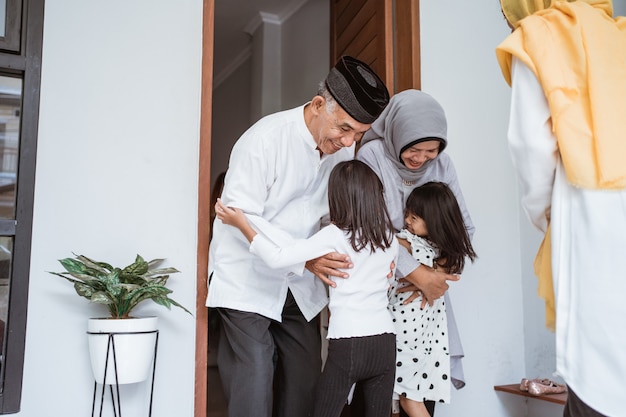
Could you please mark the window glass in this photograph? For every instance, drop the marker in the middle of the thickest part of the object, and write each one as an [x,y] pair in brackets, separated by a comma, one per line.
[6,252]
[10,105]
[10,110]
[3,17]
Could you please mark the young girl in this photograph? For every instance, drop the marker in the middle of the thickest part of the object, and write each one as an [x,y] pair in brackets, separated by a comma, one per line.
[436,236]
[360,331]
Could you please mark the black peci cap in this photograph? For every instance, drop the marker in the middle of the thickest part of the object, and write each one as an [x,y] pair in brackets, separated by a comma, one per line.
[357,89]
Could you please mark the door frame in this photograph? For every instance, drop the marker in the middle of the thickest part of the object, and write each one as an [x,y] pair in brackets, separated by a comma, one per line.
[204,200]
[406,70]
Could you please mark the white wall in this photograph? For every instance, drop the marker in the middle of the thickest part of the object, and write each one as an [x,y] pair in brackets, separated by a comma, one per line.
[117,175]
[459,68]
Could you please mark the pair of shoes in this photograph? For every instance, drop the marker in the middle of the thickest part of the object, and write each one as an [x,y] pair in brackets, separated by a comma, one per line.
[539,387]
[523,386]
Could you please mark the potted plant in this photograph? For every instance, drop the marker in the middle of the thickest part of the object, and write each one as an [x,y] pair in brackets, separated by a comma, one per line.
[120,290]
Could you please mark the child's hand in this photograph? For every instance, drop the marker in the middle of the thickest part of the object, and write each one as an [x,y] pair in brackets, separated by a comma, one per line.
[234,217]
[229,215]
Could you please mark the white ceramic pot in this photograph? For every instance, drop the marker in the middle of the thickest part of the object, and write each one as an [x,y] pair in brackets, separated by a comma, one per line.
[134,340]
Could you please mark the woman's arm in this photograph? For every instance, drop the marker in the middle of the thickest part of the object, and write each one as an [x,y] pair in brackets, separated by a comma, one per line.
[533,146]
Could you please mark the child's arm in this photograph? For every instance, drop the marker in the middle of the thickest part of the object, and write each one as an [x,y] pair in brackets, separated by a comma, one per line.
[296,253]
[234,217]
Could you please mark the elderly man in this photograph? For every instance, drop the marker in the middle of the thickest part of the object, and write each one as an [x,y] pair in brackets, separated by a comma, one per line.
[269,353]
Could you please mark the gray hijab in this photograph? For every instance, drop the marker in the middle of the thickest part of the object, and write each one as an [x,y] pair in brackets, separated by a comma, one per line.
[411,116]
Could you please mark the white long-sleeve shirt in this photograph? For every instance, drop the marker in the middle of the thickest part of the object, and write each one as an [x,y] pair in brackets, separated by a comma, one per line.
[588,229]
[276,174]
[358,304]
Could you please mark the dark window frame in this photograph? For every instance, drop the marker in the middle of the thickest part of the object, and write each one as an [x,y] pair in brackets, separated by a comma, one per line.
[20,56]
[12,27]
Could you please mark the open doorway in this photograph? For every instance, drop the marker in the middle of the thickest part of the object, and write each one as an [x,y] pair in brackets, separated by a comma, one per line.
[269,55]
[277,66]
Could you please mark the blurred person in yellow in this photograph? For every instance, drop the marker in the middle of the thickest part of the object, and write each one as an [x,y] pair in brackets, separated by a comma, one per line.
[566,64]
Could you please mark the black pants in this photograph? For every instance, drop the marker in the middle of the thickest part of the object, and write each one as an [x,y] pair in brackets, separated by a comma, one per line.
[575,407]
[269,368]
[368,360]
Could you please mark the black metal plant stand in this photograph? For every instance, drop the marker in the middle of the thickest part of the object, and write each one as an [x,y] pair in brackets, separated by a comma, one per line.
[115,394]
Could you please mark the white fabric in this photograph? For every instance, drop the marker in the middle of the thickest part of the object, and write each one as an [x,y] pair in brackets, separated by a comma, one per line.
[358,305]
[588,254]
[422,353]
[277,176]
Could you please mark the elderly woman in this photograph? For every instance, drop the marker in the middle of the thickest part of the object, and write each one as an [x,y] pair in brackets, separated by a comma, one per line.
[566,65]
[404,146]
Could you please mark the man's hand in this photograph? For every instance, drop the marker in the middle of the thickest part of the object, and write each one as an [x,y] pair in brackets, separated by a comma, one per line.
[328,265]
[409,288]
[432,284]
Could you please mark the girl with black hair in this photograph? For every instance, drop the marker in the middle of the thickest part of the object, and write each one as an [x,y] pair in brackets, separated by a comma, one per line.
[361,332]
[436,236]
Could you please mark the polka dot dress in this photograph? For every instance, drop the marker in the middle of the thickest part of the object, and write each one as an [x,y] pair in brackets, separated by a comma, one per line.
[422,356]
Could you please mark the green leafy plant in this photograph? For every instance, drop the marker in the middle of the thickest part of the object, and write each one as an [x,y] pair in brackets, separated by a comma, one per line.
[120,289]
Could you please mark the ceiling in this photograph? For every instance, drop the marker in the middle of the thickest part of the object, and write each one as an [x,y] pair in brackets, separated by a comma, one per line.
[231,19]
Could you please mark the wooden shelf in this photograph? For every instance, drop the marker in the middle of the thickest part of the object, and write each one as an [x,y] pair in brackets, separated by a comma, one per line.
[514,389]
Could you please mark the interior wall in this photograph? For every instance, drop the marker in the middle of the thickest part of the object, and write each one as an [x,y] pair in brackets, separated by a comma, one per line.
[619,7]
[306,52]
[117,176]
[231,115]
[266,70]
